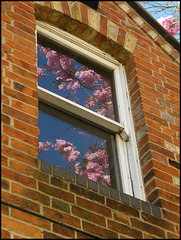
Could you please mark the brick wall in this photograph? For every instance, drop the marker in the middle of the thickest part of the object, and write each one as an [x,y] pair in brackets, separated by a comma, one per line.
[43,201]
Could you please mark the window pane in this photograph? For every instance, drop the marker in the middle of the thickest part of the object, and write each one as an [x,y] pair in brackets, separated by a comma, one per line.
[76,145]
[73,77]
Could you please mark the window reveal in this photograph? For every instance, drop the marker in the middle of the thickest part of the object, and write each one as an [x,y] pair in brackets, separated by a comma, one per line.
[83,95]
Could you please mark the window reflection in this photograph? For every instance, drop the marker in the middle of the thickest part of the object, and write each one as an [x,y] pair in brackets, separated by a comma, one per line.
[72,144]
[76,79]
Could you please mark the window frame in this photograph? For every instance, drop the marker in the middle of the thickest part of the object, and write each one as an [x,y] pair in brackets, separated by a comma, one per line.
[127,151]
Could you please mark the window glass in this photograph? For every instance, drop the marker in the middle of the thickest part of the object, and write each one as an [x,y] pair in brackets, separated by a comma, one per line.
[73,77]
[73,144]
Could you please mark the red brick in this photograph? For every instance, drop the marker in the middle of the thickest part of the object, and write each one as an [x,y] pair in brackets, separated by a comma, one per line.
[84,13]
[25,169]
[93,206]
[109,16]
[20,156]
[172,236]
[171,216]
[19,115]
[5,18]
[19,32]
[29,218]
[19,135]
[23,98]
[20,47]
[48,235]
[26,128]
[165,168]
[170,206]
[57,228]
[30,194]
[169,131]
[4,209]
[20,227]
[157,221]
[155,118]
[24,72]
[169,196]
[89,216]
[22,19]
[24,13]
[6,33]
[6,4]
[61,216]
[98,231]
[153,124]
[4,184]
[17,177]
[19,201]
[5,234]
[103,25]
[66,196]
[160,53]
[118,206]
[148,53]
[147,227]
[6,48]
[5,119]
[65,8]
[121,218]
[22,80]
[24,108]
[168,187]
[170,75]
[24,6]
[117,227]
[24,147]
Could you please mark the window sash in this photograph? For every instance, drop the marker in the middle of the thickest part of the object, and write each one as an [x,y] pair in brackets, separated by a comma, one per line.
[128,157]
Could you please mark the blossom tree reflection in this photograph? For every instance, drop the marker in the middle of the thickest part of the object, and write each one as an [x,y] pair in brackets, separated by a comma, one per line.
[71,77]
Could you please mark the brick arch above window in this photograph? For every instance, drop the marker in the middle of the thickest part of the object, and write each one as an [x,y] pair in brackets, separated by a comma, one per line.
[89,25]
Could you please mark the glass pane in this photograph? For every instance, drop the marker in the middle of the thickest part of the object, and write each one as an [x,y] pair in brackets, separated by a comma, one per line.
[69,75]
[67,142]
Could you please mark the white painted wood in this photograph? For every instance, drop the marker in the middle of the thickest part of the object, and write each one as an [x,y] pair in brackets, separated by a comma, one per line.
[79,111]
[124,166]
[132,149]
[77,45]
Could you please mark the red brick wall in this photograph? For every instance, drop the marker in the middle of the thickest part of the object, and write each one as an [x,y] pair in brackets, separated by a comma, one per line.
[153,80]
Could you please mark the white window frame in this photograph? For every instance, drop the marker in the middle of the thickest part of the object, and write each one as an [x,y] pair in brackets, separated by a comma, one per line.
[128,157]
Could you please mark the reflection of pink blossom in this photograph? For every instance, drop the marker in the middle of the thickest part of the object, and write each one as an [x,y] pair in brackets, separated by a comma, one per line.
[103,94]
[88,77]
[67,148]
[44,147]
[65,62]
[170,25]
[40,72]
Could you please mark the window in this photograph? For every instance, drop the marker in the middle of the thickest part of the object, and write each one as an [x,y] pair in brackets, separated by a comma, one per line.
[85,119]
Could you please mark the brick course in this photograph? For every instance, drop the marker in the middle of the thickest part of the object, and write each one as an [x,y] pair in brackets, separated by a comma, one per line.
[38,196]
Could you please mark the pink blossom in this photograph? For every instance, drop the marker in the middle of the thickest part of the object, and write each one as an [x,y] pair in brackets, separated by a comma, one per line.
[170,25]
[44,147]
[40,72]
[107,179]
[89,77]
[103,94]
[65,62]
[67,149]
[90,102]
[61,86]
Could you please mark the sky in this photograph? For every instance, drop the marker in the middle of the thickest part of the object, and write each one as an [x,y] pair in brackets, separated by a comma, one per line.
[166,14]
